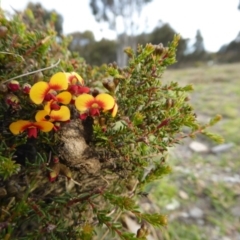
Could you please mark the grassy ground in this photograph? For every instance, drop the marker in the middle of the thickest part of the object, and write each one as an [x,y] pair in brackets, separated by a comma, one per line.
[202,196]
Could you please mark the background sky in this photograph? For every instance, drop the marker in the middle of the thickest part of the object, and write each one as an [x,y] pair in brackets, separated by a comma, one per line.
[218,20]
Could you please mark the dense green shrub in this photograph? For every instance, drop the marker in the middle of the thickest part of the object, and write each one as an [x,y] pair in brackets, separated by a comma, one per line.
[77,180]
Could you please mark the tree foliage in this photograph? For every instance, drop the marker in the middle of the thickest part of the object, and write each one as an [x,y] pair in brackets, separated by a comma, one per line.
[163,34]
[104,51]
[48,189]
[43,16]
[94,52]
[123,13]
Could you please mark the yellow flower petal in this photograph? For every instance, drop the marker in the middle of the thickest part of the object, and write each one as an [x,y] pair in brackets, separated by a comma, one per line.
[78,77]
[106,100]
[41,116]
[114,110]
[38,92]
[63,114]
[47,107]
[64,97]
[58,81]
[44,126]
[19,126]
[74,78]
[82,102]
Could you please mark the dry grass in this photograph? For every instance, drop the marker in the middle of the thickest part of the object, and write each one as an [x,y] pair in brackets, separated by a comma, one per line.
[209,182]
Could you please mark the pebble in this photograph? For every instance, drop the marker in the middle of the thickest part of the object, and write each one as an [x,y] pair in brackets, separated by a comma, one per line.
[183,195]
[226,238]
[198,147]
[200,222]
[173,205]
[233,179]
[196,212]
[184,215]
[222,147]
[236,211]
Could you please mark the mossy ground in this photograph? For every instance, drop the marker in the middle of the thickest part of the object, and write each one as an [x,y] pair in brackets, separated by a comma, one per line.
[209,182]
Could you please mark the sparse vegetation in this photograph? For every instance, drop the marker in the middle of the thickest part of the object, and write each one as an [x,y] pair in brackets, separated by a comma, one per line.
[210,181]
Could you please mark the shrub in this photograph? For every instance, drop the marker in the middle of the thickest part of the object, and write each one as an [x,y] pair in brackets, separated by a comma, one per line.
[75,157]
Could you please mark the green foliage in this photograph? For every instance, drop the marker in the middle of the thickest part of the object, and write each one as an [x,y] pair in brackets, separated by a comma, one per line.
[150,119]
[8,167]
[94,52]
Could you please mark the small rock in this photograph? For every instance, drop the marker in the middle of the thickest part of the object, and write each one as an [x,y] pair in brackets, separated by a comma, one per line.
[173,205]
[238,236]
[236,211]
[196,212]
[228,169]
[226,238]
[198,147]
[200,222]
[201,183]
[215,178]
[184,215]
[222,148]
[183,194]
[233,179]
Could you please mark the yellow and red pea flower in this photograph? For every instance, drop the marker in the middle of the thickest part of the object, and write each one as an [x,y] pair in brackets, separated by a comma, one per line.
[12,101]
[78,89]
[86,103]
[63,98]
[51,95]
[39,90]
[61,115]
[74,78]
[76,85]
[31,127]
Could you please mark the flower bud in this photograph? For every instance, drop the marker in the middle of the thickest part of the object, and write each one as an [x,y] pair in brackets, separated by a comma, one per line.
[3,192]
[129,51]
[3,31]
[159,49]
[12,100]
[102,121]
[38,77]
[114,65]
[143,231]
[116,81]
[26,88]
[55,159]
[55,169]
[95,92]
[3,88]
[64,170]
[13,86]
[109,85]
